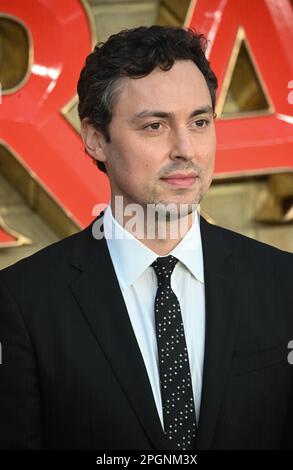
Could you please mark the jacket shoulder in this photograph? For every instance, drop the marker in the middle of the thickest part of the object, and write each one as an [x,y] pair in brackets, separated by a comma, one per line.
[51,259]
[239,241]
[252,257]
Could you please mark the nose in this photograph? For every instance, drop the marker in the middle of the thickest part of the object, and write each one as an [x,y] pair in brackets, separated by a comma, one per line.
[182,146]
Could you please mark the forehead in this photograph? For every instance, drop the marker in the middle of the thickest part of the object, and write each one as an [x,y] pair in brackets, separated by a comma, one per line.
[183,87]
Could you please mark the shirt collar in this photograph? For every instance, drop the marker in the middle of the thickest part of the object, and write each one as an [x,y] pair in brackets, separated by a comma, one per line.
[131,257]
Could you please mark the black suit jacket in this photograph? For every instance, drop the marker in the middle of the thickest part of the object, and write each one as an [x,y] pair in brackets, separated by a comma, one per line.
[72,374]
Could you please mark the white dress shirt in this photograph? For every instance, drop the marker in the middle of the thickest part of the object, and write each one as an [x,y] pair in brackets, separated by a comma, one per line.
[138,283]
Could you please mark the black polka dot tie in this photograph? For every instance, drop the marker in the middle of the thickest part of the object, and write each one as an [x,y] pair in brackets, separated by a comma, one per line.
[175,378]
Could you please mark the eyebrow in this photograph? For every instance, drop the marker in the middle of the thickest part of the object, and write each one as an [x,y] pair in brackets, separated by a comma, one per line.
[162,114]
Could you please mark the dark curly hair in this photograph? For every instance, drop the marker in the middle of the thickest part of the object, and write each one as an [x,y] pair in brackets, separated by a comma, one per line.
[135,53]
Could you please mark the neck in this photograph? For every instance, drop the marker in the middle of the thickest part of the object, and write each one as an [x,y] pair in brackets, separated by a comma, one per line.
[158,234]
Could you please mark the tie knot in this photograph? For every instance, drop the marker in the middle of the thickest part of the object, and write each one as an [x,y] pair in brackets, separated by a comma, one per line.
[164,266]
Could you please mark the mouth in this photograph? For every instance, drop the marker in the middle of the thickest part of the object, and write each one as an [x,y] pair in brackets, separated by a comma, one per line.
[180,180]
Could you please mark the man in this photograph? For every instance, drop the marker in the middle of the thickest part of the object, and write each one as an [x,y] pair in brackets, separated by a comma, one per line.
[142,342]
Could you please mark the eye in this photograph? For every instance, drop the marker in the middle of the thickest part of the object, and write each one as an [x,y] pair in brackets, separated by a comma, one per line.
[154,126]
[201,123]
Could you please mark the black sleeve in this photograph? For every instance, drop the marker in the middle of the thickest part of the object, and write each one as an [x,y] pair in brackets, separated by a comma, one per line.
[284,274]
[19,388]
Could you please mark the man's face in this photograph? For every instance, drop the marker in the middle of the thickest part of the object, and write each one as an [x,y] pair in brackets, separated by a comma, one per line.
[162,125]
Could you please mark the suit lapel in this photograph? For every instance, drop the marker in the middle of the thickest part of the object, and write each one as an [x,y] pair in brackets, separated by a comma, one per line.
[98,293]
[221,321]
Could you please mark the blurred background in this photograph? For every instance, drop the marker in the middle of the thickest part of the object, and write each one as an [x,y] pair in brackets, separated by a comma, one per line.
[50,189]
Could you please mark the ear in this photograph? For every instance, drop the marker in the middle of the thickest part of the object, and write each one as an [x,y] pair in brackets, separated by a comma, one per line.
[94,140]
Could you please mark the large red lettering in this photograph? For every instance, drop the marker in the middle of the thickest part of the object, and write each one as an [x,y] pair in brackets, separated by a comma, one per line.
[31,120]
[259,144]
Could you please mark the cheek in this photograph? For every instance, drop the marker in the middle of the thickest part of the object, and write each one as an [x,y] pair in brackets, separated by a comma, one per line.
[207,159]
[133,169]
[143,161]
[208,152]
